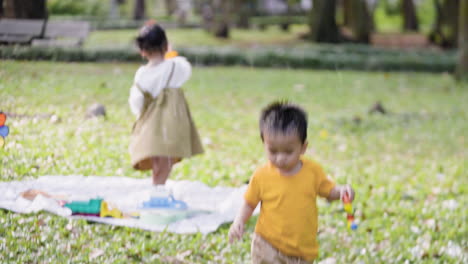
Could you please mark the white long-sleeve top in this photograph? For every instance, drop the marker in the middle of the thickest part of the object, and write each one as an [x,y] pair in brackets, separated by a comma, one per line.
[153,78]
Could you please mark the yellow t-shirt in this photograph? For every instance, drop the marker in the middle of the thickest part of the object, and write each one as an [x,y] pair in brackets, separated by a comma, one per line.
[288,213]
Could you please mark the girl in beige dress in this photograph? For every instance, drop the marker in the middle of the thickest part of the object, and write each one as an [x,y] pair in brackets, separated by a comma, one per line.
[164,132]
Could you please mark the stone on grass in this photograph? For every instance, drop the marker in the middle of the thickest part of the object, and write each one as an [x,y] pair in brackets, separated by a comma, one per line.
[96,110]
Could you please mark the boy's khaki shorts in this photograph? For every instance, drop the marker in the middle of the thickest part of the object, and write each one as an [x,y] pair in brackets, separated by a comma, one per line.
[264,253]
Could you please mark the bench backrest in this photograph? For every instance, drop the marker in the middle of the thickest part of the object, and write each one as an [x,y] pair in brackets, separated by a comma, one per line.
[67,29]
[30,31]
[21,27]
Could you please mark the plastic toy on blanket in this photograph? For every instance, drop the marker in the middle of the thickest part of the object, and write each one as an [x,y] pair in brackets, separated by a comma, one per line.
[93,207]
[108,211]
[165,203]
[162,208]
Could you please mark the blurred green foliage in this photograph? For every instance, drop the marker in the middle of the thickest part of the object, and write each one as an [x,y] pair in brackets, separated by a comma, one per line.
[388,16]
[355,57]
[92,8]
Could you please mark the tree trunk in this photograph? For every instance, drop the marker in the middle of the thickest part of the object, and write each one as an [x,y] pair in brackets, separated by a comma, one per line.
[114,12]
[347,12]
[27,9]
[1,9]
[207,14]
[445,30]
[198,6]
[8,8]
[171,7]
[222,17]
[139,10]
[410,20]
[244,13]
[322,22]
[362,21]
[462,67]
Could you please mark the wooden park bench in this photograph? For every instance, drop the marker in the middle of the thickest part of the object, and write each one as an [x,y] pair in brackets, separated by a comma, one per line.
[64,33]
[20,31]
[400,40]
[43,32]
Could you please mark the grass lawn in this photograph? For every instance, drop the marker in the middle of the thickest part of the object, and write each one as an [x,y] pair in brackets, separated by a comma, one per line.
[408,167]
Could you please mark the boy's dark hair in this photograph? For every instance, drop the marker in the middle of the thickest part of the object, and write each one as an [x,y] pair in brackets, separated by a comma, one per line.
[151,38]
[285,117]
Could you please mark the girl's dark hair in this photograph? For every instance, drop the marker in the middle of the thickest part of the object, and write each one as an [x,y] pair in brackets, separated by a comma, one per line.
[284,117]
[152,38]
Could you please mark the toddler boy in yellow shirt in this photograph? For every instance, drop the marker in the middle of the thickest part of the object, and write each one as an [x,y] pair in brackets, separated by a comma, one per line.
[287,187]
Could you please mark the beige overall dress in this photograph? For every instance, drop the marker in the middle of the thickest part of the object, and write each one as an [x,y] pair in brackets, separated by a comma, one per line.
[165,128]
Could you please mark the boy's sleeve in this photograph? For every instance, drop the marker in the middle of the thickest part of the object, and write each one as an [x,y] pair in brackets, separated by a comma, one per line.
[252,195]
[324,184]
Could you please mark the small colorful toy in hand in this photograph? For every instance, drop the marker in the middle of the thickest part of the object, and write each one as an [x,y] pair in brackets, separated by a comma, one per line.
[3,129]
[170,53]
[348,207]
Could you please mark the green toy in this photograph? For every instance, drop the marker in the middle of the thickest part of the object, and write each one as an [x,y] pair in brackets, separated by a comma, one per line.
[92,206]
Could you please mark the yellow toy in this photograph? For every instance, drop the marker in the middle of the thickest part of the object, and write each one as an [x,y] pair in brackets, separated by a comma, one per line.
[105,212]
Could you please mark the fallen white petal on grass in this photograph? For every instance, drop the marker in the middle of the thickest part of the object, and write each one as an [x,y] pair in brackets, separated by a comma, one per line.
[328,261]
[431,223]
[415,229]
[450,204]
[96,253]
[207,141]
[363,251]
[453,250]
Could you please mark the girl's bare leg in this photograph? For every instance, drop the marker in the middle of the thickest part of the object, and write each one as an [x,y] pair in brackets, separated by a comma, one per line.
[162,167]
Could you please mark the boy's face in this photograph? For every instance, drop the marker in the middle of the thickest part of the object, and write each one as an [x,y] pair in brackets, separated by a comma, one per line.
[284,150]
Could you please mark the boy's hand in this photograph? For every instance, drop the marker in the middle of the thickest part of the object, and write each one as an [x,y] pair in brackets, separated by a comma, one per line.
[346,190]
[338,192]
[236,231]
[237,228]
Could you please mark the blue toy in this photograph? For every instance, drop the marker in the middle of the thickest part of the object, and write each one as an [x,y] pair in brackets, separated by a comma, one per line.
[164,210]
[165,203]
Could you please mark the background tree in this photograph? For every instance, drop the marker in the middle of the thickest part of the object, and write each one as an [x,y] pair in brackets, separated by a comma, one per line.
[445,30]
[410,20]
[1,8]
[179,9]
[28,9]
[114,12]
[171,7]
[347,12]
[322,22]
[358,18]
[218,16]
[139,10]
[462,67]
[245,11]
[361,21]
[222,18]
[207,13]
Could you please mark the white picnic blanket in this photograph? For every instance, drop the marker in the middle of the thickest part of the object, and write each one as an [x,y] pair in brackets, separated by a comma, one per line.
[127,194]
